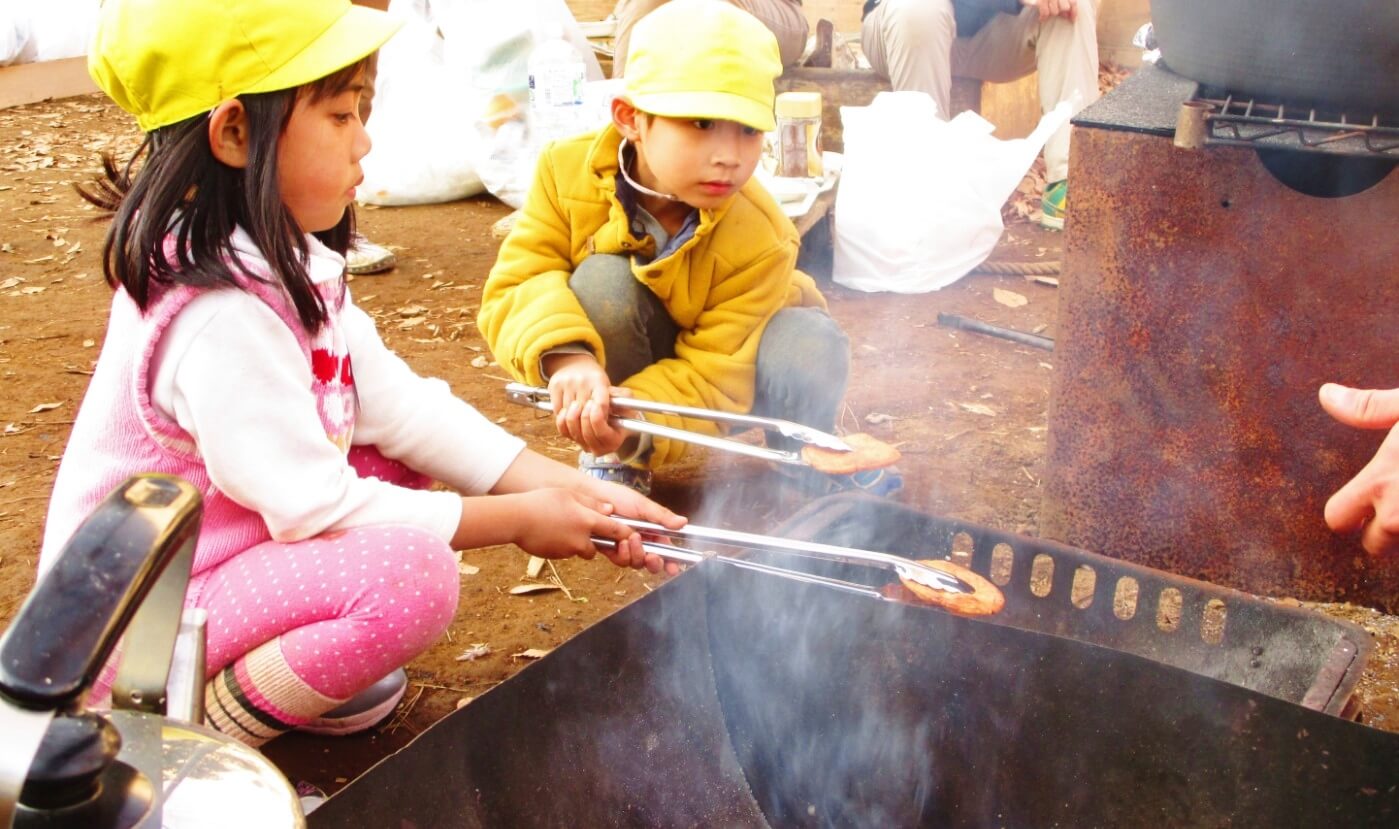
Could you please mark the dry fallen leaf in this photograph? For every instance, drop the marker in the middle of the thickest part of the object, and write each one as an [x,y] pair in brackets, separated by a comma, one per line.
[977,408]
[879,417]
[475,652]
[531,653]
[480,361]
[1009,298]
[44,407]
[11,282]
[468,569]
[527,589]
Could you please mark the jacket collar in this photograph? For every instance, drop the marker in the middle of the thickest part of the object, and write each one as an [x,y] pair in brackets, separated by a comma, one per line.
[602,161]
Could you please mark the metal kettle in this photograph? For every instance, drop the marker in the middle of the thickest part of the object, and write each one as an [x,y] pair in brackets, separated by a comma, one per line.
[149,762]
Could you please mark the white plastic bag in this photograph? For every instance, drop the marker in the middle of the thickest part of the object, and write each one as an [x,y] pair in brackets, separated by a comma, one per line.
[490,42]
[33,31]
[920,198]
[422,125]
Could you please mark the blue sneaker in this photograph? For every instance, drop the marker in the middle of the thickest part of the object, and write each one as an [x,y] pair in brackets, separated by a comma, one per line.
[610,468]
[881,483]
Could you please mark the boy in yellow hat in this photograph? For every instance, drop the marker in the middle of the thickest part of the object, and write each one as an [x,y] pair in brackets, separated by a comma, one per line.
[646,257]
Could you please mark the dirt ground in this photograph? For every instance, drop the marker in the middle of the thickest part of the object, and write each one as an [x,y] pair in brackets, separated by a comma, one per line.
[967,411]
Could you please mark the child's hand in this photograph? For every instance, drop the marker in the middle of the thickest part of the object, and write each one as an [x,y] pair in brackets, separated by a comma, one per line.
[582,398]
[559,523]
[633,504]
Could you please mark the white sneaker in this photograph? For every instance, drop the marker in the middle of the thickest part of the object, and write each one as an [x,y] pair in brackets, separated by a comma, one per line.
[364,257]
[364,710]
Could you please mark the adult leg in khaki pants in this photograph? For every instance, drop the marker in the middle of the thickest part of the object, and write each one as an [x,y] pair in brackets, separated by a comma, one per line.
[914,43]
[783,17]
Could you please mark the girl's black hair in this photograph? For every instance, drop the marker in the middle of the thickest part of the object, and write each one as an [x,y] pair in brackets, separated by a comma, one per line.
[181,188]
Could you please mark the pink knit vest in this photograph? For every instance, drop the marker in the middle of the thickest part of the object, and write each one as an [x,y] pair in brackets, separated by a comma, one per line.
[119,432]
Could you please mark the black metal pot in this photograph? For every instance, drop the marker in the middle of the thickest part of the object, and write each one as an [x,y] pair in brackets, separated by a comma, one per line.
[1337,54]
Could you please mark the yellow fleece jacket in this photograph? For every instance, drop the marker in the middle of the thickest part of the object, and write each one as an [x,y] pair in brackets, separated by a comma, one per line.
[720,287]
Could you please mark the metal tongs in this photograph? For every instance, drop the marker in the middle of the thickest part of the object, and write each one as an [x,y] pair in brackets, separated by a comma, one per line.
[903,567]
[539,399]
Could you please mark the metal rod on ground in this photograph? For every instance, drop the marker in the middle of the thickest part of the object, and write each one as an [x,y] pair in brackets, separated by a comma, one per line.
[1025,269]
[968,324]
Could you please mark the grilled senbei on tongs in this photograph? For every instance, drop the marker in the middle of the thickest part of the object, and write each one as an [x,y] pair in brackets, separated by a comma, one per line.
[985,598]
[866,452]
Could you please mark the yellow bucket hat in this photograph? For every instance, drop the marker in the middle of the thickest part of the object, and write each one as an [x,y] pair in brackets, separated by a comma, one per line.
[167,60]
[703,59]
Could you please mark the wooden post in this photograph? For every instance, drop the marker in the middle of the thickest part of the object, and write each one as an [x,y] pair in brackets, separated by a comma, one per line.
[1118,21]
[25,83]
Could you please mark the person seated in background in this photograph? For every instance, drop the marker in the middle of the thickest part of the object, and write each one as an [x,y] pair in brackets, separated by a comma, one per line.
[646,256]
[783,18]
[920,45]
[1369,502]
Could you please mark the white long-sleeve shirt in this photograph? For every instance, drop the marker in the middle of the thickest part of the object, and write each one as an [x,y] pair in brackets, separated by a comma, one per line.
[233,376]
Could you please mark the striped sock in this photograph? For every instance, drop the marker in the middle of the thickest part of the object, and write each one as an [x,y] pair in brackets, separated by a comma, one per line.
[259,696]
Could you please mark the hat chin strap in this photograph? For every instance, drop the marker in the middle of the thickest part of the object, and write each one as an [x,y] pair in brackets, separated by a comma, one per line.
[640,188]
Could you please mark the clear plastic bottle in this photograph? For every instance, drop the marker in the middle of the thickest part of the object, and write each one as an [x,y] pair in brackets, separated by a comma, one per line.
[557,74]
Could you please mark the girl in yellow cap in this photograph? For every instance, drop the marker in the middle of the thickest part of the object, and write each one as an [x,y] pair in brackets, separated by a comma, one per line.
[236,358]
[646,257]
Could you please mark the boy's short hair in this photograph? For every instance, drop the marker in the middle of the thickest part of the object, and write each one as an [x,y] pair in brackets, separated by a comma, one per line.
[703,59]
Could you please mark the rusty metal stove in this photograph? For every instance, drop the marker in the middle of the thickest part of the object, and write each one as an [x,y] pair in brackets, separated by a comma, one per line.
[1204,302]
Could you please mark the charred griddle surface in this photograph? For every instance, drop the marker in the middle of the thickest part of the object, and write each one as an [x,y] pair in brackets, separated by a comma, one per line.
[728,698]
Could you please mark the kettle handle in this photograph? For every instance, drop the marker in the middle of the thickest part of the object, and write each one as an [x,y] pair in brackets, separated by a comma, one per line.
[67,627]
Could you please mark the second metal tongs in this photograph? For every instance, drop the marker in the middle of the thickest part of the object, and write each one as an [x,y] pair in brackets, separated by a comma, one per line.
[903,567]
[539,399]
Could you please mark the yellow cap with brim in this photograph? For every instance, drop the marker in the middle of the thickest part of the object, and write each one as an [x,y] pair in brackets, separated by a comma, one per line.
[703,59]
[168,60]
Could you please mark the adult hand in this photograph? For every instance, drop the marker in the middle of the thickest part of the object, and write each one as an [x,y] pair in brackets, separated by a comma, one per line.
[1369,502]
[582,395]
[1054,8]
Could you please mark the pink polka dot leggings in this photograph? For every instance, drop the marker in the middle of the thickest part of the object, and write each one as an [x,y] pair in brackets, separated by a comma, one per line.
[304,626]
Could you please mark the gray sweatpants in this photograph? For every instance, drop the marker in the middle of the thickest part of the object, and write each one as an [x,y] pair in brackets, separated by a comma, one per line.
[803,357]
[914,44]
[783,17]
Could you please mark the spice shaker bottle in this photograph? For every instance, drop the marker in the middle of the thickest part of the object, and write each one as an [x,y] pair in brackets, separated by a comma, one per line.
[798,127]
